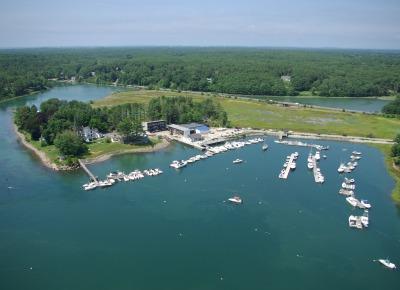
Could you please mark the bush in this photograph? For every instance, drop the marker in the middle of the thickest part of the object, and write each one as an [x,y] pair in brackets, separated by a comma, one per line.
[108,140]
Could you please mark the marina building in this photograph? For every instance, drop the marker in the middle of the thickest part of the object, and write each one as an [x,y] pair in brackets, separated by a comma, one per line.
[189,130]
[154,126]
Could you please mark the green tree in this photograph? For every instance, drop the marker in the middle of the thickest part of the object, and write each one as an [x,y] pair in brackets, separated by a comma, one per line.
[131,129]
[69,144]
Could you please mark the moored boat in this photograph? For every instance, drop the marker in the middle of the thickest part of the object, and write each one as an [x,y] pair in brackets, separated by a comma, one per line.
[235,199]
[387,264]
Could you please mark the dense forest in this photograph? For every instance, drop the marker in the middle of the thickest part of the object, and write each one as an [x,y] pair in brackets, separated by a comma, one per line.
[251,71]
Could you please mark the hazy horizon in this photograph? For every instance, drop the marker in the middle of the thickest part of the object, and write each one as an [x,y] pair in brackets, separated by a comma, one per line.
[299,24]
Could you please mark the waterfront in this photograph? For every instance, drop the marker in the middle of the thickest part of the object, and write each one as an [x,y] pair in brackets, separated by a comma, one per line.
[175,231]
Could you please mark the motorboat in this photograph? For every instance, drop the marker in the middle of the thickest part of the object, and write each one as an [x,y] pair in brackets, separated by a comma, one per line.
[346,192]
[237,161]
[365,219]
[356,153]
[90,186]
[235,199]
[387,263]
[264,147]
[352,200]
[178,164]
[310,165]
[348,180]
[365,203]
[317,155]
[348,186]
[293,165]
[341,168]
[355,222]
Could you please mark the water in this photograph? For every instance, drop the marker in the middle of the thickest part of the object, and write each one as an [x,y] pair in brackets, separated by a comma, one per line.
[175,231]
[370,105]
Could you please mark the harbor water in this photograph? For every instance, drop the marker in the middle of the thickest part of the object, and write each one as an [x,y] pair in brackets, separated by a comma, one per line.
[177,230]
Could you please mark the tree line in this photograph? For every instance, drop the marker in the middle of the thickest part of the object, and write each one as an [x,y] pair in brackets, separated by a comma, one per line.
[186,110]
[251,71]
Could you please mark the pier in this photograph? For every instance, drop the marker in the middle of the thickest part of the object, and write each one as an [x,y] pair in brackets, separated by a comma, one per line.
[318,177]
[285,173]
[315,168]
[91,175]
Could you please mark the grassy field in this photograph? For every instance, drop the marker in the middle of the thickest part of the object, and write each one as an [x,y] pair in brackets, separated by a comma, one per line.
[142,96]
[259,114]
[100,147]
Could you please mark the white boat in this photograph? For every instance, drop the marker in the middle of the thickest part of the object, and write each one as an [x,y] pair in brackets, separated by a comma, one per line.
[348,180]
[355,222]
[365,203]
[341,168]
[317,156]
[348,186]
[352,200]
[365,218]
[90,186]
[235,199]
[105,183]
[387,263]
[264,147]
[236,161]
[346,192]
[310,165]
[293,165]
[355,157]
[356,153]
[178,164]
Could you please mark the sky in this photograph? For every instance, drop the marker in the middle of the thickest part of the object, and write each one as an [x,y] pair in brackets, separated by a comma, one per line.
[367,24]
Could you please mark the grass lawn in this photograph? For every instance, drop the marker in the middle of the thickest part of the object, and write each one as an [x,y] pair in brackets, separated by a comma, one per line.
[259,114]
[100,147]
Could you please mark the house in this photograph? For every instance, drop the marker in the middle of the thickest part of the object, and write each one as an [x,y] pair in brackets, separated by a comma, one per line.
[89,134]
[154,126]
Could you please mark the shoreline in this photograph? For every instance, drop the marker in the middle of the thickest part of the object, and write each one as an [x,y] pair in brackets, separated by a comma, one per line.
[148,149]
[39,154]
[51,165]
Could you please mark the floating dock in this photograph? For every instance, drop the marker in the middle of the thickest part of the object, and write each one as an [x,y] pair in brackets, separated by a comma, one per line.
[91,175]
[285,173]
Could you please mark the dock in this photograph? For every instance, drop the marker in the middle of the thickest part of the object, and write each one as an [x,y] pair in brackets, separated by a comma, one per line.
[285,173]
[318,177]
[315,168]
[91,175]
